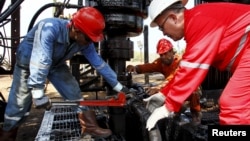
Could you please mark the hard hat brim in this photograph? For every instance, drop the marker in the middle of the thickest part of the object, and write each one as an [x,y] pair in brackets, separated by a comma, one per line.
[97,38]
[153,23]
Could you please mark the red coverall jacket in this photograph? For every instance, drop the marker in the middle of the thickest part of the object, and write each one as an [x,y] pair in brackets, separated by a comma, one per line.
[157,66]
[168,72]
[217,34]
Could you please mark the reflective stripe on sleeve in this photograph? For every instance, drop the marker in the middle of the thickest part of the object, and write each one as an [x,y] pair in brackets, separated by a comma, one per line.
[239,49]
[194,65]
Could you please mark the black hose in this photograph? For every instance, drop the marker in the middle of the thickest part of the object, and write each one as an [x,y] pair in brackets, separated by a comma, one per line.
[10,10]
[2,2]
[136,106]
[4,49]
[143,114]
[48,6]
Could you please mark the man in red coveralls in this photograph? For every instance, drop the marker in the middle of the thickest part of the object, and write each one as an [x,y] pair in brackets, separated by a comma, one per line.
[217,34]
[167,65]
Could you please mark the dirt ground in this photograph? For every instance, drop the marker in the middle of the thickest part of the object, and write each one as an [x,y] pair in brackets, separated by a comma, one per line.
[29,129]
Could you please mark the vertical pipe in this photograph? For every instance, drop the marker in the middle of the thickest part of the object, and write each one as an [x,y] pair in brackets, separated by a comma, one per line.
[145,32]
[15,33]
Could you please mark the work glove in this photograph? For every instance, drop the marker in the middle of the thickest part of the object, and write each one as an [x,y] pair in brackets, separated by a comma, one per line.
[125,90]
[121,88]
[40,100]
[154,101]
[159,113]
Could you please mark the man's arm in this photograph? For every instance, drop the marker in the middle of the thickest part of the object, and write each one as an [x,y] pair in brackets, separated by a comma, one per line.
[102,68]
[146,68]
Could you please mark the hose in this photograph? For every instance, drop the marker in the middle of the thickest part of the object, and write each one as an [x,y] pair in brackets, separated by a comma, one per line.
[136,106]
[10,10]
[48,6]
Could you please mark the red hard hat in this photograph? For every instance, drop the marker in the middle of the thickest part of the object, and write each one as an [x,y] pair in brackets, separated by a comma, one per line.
[164,46]
[89,21]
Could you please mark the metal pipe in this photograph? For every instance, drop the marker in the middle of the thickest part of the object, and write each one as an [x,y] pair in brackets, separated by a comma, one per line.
[146,51]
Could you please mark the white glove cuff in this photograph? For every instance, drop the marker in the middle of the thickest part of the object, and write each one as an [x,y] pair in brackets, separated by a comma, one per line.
[167,113]
[163,109]
[37,93]
[118,87]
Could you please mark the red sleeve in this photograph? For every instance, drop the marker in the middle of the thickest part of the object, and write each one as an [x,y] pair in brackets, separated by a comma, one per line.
[202,35]
[150,67]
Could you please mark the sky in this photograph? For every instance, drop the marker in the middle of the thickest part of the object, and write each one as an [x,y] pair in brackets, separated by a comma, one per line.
[30,7]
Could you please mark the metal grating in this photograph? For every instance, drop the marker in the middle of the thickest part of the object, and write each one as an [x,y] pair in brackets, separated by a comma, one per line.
[60,123]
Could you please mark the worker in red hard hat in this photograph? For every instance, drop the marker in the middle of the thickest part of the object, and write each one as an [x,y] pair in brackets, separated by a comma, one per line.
[218,35]
[42,55]
[167,64]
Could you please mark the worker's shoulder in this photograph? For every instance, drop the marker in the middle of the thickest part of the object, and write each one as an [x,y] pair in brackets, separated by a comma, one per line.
[54,22]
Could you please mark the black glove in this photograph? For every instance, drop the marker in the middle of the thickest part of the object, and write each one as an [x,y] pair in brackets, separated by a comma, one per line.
[125,90]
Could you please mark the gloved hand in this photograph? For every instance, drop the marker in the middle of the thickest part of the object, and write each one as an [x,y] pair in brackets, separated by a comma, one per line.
[125,90]
[40,100]
[159,113]
[154,101]
[121,88]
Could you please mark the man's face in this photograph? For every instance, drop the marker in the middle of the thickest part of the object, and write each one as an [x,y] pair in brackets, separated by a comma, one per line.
[82,39]
[170,25]
[167,57]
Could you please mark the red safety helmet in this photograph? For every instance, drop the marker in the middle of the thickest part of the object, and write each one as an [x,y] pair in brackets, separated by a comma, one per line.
[164,46]
[89,21]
